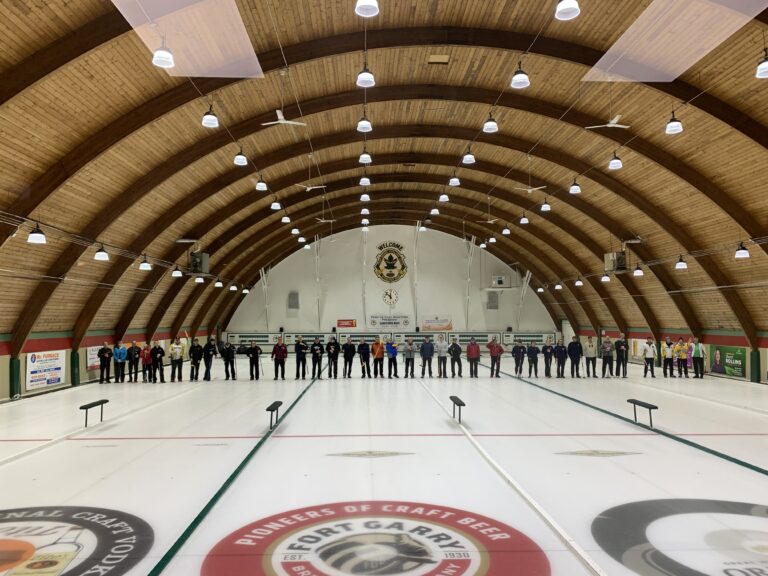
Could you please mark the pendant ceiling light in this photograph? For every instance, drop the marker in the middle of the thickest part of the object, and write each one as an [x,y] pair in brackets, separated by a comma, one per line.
[261,186]
[367,8]
[365,78]
[468,158]
[524,219]
[276,205]
[199,280]
[546,207]
[364,197]
[615,163]
[540,290]
[145,265]
[295,231]
[681,264]
[365,212]
[365,222]
[365,181]
[575,188]
[482,245]
[365,158]
[176,273]
[567,10]
[454,181]
[506,231]
[520,80]
[162,57]
[492,240]
[674,126]
[210,120]
[558,286]
[101,255]
[434,212]
[240,159]
[490,126]
[443,198]
[246,290]
[422,228]
[307,247]
[742,252]
[37,236]
[762,68]
[579,283]
[364,125]
[285,219]
[638,272]
[233,288]
[605,277]
[218,284]
[302,239]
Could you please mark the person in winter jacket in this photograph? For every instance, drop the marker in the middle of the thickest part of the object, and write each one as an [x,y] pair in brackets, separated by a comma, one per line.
[681,353]
[698,355]
[533,352]
[649,357]
[590,354]
[377,351]
[427,351]
[391,349]
[621,346]
[575,352]
[105,363]
[120,356]
[228,354]
[454,351]
[210,351]
[253,352]
[668,357]
[317,352]
[333,349]
[441,349]
[364,351]
[158,353]
[146,363]
[473,357]
[176,353]
[348,350]
[496,351]
[561,354]
[518,353]
[549,351]
[606,351]
[300,349]
[279,354]
[133,354]
[195,357]
[409,353]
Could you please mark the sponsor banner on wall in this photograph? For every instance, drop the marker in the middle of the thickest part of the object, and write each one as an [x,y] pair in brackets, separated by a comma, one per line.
[346,323]
[92,358]
[46,369]
[389,321]
[436,323]
[728,360]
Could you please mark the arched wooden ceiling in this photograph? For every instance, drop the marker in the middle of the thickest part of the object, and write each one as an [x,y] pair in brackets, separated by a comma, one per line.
[109,148]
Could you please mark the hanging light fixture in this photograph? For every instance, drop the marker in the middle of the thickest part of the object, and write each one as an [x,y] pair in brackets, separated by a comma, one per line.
[365,158]
[218,283]
[638,272]
[492,240]
[482,245]
[276,205]
[176,273]
[540,290]
[233,288]
[365,222]
[422,228]
[37,236]
[302,239]
[520,79]
[285,219]
[575,188]
[162,57]
[199,280]
[674,126]
[246,290]
[101,255]
[468,158]
[367,8]
[443,198]
[307,247]
[240,159]
[524,219]
[295,231]
[365,78]
[145,265]
[506,231]
[434,212]
[567,10]
[490,126]
[615,163]
[210,120]
[762,68]
[364,125]
[742,252]
[605,277]
[364,228]
[261,186]
[546,207]
[454,181]
[365,181]
[579,283]
[681,264]
[365,212]
[558,286]
[364,197]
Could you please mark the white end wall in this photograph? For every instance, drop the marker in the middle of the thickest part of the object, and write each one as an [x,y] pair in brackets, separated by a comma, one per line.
[434,285]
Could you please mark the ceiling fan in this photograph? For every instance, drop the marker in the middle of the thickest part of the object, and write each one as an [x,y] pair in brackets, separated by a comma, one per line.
[280,116]
[530,189]
[323,219]
[614,121]
[312,187]
[490,219]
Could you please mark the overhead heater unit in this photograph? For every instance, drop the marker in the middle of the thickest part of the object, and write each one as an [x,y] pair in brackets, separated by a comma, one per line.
[615,261]
[198,262]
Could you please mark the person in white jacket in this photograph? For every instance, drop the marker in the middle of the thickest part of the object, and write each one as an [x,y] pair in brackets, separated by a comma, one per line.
[441,349]
[649,355]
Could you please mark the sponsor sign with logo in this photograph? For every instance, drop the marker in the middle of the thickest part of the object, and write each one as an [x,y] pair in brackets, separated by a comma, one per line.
[392,321]
[71,541]
[437,323]
[390,263]
[346,323]
[376,537]
[728,360]
[92,358]
[46,369]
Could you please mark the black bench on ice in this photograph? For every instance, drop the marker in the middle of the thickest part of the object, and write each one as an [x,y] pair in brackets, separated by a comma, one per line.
[274,410]
[457,402]
[90,405]
[650,407]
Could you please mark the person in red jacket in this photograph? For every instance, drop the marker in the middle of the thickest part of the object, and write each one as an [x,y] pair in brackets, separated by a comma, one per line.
[146,363]
[496,350]
[279,354]
[473,357]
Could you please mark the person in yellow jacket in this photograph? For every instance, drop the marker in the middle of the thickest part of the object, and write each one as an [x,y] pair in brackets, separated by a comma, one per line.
[681,353]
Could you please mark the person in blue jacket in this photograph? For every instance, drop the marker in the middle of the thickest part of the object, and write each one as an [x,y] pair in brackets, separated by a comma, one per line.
[533,352]
[575,352]
[364,351]
[561,353]
[391,348]
[549,352]
[427,351]
[119,357]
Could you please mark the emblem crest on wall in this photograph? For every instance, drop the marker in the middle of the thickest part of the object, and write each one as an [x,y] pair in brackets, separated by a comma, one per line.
[390,263]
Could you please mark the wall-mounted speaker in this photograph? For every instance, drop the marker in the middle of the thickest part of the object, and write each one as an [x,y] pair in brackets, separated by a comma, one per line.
[281,330]
[418,329]
[333,329]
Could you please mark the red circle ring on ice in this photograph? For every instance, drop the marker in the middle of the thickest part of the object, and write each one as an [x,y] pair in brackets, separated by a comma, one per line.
[376,537]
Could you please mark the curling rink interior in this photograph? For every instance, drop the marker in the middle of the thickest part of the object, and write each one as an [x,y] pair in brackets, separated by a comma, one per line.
[532,482]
